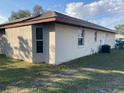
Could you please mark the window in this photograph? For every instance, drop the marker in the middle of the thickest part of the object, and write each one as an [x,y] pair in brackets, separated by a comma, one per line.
[39,40]
[39,46]
[81,38]
[95,36]
[39,33]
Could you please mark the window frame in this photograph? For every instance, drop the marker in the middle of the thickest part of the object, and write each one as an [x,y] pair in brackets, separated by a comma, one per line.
[95,36]
[81,36]
[39,40]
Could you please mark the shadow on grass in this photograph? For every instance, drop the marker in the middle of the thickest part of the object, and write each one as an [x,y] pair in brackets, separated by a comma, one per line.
[100,73]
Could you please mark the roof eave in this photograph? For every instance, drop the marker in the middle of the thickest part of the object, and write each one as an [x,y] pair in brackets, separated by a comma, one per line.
[27,23]
[63,22]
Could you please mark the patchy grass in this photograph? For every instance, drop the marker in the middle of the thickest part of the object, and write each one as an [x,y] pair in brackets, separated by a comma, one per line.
[100,73]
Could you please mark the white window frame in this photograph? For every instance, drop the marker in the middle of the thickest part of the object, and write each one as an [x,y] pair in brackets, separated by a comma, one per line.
[39,40]
[80,36]
[95,36]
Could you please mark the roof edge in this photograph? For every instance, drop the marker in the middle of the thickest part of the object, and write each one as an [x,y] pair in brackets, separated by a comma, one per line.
[53,16]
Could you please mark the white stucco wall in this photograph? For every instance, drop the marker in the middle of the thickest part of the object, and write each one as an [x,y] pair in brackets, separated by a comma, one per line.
[60,43]
[18,43]
[67,42]
[118,36]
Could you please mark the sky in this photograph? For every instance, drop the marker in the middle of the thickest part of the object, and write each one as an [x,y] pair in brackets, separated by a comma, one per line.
[108,13]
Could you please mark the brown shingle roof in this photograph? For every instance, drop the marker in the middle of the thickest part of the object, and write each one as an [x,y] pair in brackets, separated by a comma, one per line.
[54,17]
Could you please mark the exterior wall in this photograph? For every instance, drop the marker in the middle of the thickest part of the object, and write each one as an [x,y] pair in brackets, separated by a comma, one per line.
[18,43]
[48,44]
[52,47]
[67,42]
[2,43]
[118,36]
[60,43]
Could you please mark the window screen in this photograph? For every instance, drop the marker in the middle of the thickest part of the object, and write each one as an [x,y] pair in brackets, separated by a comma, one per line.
[81,38]
[39,40]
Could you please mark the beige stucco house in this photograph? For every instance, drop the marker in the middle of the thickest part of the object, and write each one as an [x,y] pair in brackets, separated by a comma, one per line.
[119,36]
[53,38]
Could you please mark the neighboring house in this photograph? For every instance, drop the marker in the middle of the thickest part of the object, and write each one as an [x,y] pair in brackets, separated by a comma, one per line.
[119,36]
[53,38]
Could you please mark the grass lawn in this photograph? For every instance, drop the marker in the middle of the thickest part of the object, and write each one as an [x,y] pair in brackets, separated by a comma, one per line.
[100,73]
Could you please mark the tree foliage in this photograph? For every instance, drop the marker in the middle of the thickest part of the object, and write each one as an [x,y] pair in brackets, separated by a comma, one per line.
[37,10]
[19,14]
[120,29]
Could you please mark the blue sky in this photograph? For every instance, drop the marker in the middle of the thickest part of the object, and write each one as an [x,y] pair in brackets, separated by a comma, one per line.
[104,12]
[6,6]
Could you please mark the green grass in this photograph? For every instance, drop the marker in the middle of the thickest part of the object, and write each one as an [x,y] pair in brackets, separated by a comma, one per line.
[99,73]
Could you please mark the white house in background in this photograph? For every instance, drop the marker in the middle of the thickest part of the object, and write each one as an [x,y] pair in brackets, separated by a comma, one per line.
[53,38]
[119,36]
